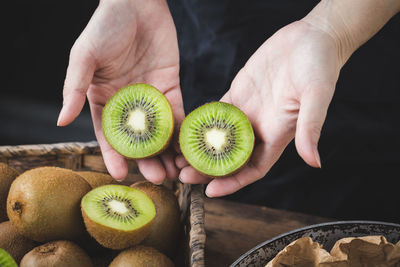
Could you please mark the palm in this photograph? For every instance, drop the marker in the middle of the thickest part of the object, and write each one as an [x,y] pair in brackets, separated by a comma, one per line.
[293,72]
[124,46]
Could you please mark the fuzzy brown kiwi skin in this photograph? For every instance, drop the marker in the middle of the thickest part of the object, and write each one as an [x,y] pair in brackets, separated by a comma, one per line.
[114,238]
[7,176]
[58,253]
[141,256]
[166,143]
[164,232]
[13,242]
[96,179]
[44,204]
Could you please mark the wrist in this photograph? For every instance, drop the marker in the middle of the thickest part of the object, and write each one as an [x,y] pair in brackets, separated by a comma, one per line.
[350,23]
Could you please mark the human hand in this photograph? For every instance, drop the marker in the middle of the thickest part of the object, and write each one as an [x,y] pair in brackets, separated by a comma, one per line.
[126,41]
[285,89]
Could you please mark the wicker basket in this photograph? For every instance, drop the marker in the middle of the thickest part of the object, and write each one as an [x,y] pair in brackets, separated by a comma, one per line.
[87,156]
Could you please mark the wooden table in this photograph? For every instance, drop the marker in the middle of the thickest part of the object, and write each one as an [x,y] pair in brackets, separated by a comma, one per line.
[234,228]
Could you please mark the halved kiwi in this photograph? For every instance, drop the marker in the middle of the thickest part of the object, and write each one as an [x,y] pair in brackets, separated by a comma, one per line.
[138,121]
[118,216]
[6,260]
[217,139]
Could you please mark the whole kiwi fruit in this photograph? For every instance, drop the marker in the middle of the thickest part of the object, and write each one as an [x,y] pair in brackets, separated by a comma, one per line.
[13,242]
[44,204]
[165,229]
[96,179]
[138,121]
[217,139]
[117,216]
[141,256]
[58,253]
[7,176]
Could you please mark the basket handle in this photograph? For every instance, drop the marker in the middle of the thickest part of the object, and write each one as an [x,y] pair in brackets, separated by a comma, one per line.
[49,149]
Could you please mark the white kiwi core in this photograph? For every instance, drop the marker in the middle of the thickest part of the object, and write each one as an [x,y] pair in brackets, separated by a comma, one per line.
[137,120]
[216,138]
[118,206]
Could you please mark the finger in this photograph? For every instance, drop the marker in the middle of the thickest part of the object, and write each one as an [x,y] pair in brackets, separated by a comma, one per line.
[115,163]
[181,162]
[189,175]
[313,109]
[78,78]
[152,169]
[168,161]
[174,97]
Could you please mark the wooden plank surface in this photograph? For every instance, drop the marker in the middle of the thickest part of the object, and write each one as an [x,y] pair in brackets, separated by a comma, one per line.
[234,228]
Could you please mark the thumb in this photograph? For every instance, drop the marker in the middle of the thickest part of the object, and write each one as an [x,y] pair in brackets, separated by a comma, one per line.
[313,109]
[79,76]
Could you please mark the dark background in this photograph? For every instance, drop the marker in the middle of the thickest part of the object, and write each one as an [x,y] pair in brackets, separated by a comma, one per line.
[359,144]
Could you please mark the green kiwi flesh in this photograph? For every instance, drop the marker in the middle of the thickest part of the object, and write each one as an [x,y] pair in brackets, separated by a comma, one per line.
[6,260]
[217,139]
[13,242]
[138,121]
[141,256]
[117,216]
[165,229]
[44,204]
[7,176]
[58,253]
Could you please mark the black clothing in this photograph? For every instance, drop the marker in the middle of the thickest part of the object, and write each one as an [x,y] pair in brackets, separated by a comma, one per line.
[359,144]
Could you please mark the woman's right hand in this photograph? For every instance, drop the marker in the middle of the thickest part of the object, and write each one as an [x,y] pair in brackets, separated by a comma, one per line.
[126,41]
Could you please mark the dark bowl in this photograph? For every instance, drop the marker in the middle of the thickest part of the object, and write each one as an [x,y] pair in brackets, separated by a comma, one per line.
[325,233]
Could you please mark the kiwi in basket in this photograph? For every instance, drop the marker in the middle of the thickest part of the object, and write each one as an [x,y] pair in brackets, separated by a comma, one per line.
[138,121]
[96,179]
[118,216]
[58,253]
[7,176]
[6,260]
[141,256]
[13,242]
[43,204]
[165,229]
[217,139]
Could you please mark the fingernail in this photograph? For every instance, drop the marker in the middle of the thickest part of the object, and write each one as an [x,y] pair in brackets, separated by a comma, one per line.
[208,194]
[180,179]
[59,117]
[317,158]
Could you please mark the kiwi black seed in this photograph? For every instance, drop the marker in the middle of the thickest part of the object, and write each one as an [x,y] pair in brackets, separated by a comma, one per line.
[6,260]
[13,242]
[7,176]
[138,121]
[217,139]
[58,253]
[117,216]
